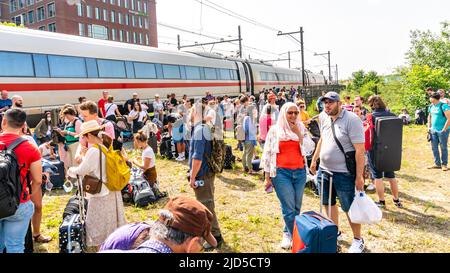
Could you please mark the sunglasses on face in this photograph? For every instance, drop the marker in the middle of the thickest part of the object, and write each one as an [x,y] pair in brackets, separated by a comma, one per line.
[292,112]
[328,102]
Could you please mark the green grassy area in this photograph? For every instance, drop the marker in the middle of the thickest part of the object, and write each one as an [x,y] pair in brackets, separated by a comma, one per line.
[251,220]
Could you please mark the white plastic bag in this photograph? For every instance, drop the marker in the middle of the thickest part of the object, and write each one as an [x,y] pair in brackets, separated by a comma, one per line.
[308,145]
[363,210]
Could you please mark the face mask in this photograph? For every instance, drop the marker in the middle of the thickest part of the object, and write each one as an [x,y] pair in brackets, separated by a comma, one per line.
[49,119]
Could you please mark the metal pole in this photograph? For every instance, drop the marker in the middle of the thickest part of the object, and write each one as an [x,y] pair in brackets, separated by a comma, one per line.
[179,42]
[303,57]
[329,66]
[337,81]
[289,58]
[240,42]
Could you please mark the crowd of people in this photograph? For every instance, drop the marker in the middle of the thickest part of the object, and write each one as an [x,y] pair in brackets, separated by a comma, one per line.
[276,120]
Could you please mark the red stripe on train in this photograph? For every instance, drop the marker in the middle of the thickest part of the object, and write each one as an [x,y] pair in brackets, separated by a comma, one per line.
[23,87]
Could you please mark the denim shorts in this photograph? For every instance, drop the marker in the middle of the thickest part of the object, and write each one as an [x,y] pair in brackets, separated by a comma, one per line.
[343,188]
[374,174]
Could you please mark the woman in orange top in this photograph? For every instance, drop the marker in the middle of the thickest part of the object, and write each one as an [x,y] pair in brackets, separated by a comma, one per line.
[284,165]
[304,116]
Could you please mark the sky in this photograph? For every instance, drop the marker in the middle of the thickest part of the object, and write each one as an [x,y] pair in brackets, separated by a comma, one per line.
[360,34]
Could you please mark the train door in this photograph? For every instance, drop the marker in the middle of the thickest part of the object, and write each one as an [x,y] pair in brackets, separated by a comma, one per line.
[243,78]
[250,81]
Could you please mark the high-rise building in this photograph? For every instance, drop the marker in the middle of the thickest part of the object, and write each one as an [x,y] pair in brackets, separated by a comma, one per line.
[128,21]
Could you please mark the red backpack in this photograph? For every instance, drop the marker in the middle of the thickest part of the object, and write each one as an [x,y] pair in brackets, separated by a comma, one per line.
[368,132]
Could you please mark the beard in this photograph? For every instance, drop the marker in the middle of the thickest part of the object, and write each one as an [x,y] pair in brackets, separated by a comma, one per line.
[19,105]
[334,111]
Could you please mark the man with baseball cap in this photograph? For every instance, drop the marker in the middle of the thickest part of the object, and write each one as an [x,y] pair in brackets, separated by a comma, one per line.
[340,130]
[183,226]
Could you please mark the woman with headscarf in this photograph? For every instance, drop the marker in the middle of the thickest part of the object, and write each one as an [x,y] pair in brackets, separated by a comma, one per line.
[284,165]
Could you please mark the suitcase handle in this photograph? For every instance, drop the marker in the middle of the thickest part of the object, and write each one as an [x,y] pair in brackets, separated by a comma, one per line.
[318,217]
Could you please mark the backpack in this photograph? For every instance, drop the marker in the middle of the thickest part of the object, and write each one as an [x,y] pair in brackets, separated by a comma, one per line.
[117,170]
[216,159]
[368,132]
[10,182]
[117,141]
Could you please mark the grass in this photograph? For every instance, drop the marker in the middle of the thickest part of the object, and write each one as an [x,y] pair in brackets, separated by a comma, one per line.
[251,220]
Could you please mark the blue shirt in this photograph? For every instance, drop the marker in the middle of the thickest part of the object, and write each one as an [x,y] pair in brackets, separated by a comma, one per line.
[200,145]
[250,130]
[7,102]
[438,119]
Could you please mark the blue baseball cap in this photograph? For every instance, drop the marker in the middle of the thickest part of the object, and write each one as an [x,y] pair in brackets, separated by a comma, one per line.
[331,96]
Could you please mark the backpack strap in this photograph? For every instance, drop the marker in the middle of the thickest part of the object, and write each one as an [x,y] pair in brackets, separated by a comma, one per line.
[16,143]
[441,106]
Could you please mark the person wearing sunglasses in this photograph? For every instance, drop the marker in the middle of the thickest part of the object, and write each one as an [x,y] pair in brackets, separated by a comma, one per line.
[284,166]
[304,116]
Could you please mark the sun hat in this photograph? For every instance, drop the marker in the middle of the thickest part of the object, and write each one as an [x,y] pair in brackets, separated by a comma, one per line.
[89,126]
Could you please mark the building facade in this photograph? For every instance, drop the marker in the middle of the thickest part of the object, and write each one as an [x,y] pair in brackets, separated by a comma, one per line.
[128,21]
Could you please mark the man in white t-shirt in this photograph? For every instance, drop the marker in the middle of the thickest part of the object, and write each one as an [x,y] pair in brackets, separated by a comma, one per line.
[158,108]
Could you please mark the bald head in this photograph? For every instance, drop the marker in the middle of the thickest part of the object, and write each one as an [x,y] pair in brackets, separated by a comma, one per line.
[4,94]
[17,101]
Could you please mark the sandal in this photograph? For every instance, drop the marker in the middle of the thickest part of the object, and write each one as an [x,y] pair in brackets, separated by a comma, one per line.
[41,238]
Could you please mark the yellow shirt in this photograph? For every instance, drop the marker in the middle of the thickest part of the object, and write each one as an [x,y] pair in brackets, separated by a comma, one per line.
[304,116]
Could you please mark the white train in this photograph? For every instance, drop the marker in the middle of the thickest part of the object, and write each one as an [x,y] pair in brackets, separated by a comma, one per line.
[50,69]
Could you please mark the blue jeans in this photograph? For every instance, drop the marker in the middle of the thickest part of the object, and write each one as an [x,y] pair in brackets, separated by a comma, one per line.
[13,229]
[343,187]
[289,186]
[440,139]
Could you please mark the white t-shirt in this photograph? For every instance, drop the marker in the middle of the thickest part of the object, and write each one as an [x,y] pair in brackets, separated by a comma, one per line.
[148,153]
[144,107]
[211,113]
[142,114]
[110,109]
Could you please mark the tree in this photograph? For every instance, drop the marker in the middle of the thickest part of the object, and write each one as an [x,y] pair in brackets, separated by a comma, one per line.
[430,49]
[416,79]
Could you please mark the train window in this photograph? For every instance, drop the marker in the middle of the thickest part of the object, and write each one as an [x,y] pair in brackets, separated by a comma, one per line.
[225,74]
[234,74]
[210,73]
[41,65]
[263,76]
[183,72]
[171,71]
[16,64]
[193,73]
[111,69]
[129,69]
[145,70]
[159,71]
[67,67]
[92,69]
[281,77]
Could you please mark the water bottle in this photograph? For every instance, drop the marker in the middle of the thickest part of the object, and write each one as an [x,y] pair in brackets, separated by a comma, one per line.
[199,183]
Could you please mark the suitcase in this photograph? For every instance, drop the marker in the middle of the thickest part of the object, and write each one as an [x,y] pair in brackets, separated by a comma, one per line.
[229,158]
[59,177]
[313,232]
[388,144]
[73,206]
[72,232]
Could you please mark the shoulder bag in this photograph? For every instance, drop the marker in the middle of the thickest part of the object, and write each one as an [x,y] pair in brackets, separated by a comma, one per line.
[92,184]
[350,160]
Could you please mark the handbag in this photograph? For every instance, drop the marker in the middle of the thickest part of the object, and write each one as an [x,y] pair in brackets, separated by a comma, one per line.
[350,160]
[92,184]
[429,136]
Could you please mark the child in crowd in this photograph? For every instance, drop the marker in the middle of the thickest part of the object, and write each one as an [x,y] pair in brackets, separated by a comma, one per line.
[147,163]
[47,151]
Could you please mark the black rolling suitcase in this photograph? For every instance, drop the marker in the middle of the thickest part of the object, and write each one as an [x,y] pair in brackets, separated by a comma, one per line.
[229,158]
[58,178]
[388,144]
[72,232]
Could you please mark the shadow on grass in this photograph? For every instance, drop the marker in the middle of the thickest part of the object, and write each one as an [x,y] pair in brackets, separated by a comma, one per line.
[418,201]
[242,184]
[413,178]
[225,248]
[59,192]
[419,221]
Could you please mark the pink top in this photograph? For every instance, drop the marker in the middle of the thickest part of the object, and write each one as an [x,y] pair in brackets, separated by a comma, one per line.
[109,130]
[264,125]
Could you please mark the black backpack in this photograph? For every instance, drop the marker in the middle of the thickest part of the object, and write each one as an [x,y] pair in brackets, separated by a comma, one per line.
[117,141]
[10,182]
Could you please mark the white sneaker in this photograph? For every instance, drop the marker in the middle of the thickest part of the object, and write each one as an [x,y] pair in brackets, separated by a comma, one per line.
[286,242]
[357,246]
[371,187]
[180,158]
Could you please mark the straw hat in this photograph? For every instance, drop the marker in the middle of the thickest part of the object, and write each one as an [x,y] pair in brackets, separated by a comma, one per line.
[89,126]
